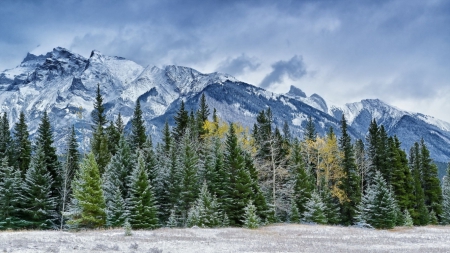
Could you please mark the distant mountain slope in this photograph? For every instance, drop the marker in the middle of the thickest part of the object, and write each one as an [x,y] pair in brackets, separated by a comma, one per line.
[64,84]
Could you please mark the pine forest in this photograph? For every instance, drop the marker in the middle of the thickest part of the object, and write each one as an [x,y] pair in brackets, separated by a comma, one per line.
[209,173]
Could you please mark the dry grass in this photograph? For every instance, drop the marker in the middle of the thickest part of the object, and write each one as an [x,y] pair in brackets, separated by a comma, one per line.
[274,238]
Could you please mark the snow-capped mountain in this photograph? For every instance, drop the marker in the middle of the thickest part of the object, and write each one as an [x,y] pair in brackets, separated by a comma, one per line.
[408,126]
[64,84]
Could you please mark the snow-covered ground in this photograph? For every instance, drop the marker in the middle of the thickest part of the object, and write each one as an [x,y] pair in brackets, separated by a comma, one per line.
[274,238]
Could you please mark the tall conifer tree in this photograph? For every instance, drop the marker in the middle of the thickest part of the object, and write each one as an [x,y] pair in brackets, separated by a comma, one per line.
[22,144]
[137,135]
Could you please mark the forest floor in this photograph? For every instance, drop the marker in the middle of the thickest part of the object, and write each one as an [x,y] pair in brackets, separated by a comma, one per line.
[273,238]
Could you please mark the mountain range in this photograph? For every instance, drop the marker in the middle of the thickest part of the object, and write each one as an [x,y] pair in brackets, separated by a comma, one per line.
[64,84]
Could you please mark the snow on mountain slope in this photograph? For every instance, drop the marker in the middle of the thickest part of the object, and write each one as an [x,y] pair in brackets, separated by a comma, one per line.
[64,84]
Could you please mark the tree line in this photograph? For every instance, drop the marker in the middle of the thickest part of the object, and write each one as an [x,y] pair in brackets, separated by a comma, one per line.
[209,173]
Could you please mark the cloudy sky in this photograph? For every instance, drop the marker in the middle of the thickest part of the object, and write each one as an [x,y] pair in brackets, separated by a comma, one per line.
[345,51]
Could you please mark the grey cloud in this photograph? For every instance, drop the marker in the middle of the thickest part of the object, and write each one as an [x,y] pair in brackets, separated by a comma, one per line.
[294,69]
[239,65]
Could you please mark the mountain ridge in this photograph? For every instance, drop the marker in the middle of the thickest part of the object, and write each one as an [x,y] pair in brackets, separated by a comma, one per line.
[64,83]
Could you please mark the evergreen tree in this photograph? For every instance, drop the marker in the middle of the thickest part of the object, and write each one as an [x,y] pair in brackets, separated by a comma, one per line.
[137,135]
[44,140]
[38,204]
[88,196]
[117,171]
[188,162]
[202,115]
[181,122]
[100,149]
[116,210]
[240,185]
[332,208]
[150,160]
[6,149]
[141,201]
[205,211]
[251,219]
[310,132]
[98,114]
[302,180]
[372,152]
[22,144]
[445,215]
[350,184]
[314,210]
[173,220]
[294,216]
[378,206]
[408,221]
[10,192]
[430,182]
[167,139]
[113,137]
[420,214]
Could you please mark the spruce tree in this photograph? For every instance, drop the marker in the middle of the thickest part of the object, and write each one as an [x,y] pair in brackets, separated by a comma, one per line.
[332,207]
[44,140]
[310,132]
[302,180]
[22,144]
[445,215]
[6,149]
[250,218]
[150,160]
[378,205]
[189,163]
[181,122]
[113,137]
[420,213]
[372,140]
[350,184]
[137,135]
[88,196]
[116,210]
[240,185]
[10,197]
[314,210]
[430,182]
[98,114]
[205,211]
[408,221]
[118,170]
[38,204]
[141,200]
[202,116]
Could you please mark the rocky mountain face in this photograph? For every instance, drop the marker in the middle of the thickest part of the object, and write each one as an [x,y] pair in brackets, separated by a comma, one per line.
[64,84]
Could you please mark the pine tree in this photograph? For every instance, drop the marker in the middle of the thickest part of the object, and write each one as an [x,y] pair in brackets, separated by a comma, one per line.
[420,214]
[205,211]
[314,210]
[188,162]
[251,219]
[98,114]
[117,171]
[173,220]
[332,207]
[445,216]
[44,140]
[141,200]
[302,181]
[10,192]
[430,182]
[310,133]
[137,135]
[350,184]
[113,137]
[240,185]
[38,204]
[408,221]
[181,122]
[22,144]
[378,206]
[294,216]
[150,160]
[116,210]
[202,116]
[88,196]
[372,152]
[6,149]
[167,139]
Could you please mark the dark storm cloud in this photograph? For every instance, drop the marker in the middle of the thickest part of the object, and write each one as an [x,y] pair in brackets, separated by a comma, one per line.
[294,69]
[239,65]
[393,49]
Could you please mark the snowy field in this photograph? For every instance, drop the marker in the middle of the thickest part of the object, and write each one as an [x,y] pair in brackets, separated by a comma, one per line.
[274,238]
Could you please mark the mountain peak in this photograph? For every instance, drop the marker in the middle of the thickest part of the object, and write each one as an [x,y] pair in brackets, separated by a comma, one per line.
[296,92]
